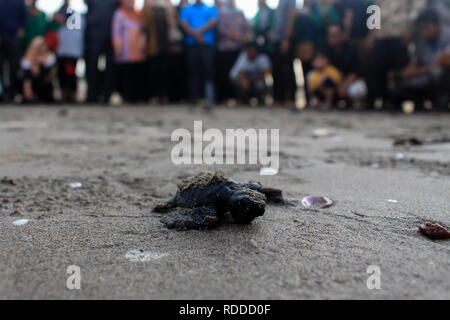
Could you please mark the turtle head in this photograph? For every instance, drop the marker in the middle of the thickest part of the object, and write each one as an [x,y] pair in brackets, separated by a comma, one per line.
[247,204]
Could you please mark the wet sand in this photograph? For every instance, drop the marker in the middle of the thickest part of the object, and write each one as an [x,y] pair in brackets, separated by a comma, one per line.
[121,156]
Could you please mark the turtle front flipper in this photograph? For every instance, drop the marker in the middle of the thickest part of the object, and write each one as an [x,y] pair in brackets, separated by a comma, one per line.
[196,218]
[165,207]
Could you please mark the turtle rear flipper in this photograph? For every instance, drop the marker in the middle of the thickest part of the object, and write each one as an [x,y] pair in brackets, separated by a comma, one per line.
[196,218]
[273,195]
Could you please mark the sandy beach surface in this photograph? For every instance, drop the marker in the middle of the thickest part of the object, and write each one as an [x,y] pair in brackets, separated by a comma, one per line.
[121,158]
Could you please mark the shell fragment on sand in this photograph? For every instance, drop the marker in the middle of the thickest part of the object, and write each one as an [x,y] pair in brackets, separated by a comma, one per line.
[20,222]
[317,202]
[434,231]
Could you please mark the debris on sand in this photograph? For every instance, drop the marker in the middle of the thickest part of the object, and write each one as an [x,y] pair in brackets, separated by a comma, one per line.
[17,213]
[202,201]
[392,201]
[20,222]
[321,133]
[434,231]
[63,112]
[408,142]
[443,140]
[399,156]
[76,185]
[7,180]
[143,256]
[317,202]
[358,214]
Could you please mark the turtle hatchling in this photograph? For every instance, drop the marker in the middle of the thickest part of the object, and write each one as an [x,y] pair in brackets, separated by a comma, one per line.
[202,202]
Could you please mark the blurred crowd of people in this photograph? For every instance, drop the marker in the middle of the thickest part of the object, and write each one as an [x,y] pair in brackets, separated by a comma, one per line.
[212,54]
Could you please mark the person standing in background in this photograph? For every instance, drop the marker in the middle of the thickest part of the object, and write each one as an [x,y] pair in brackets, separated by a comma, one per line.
[98,43]
[199,22]
[285,86]
[12,23]
[443,8]
[306,31]
[234,32]
[36,26]
[178,90]
[70,49]
[386,50]
[263,27]
[129,51]
[353,14]
[159,24]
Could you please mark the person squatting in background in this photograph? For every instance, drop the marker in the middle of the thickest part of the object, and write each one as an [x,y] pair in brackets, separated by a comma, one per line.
[37,65]
[323,82]
[428,74]
[249,74]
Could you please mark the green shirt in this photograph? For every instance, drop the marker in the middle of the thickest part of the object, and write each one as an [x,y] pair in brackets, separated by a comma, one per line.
[36,27]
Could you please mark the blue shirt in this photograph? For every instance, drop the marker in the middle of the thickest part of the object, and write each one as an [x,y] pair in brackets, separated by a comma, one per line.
[197,16]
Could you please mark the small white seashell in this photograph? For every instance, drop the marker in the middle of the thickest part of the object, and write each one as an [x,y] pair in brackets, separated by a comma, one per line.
[321,133]
[393,201]
[20,222]
[320,202]
[268,172]
[76,185]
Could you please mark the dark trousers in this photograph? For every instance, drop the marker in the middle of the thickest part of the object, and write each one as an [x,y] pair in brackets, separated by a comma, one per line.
[67,77]
[258,90]
[225,62]
[100,83]
[132,79]
[9,58]
[177,70]
[200,59]
[388,55]
[284,84]
[436,89]
[158,76]
[43,89]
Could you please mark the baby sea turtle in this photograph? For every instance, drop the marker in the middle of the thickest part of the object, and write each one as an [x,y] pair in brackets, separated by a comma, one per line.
[203,200]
